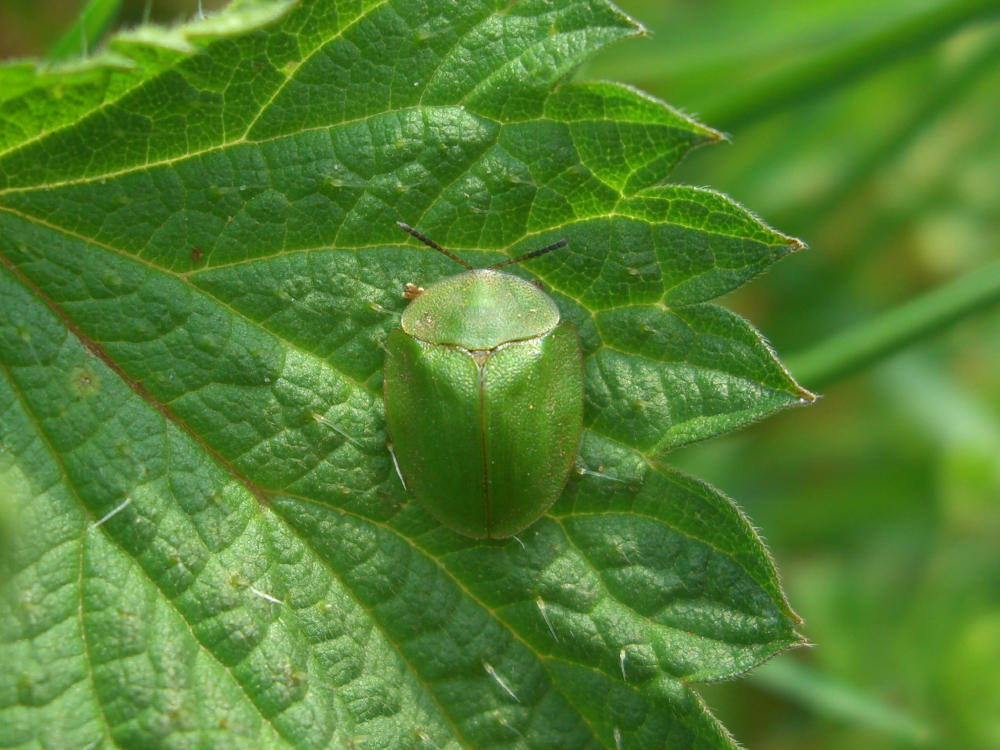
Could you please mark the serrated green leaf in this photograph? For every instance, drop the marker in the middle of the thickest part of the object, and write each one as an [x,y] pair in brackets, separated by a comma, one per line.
[198,266]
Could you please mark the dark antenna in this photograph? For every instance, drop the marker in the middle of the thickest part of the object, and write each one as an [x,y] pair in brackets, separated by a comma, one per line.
[431,243]
[529,256]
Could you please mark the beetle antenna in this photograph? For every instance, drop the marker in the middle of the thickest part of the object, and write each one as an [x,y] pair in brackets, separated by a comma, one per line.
[431,243]
[532,254]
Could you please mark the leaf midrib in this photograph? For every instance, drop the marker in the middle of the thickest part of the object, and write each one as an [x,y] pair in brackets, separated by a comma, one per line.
[246,141]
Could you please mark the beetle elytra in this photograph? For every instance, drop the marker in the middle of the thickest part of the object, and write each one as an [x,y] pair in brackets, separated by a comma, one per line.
[483,386]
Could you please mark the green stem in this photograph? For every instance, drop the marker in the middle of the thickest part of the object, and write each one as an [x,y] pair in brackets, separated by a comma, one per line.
[876,339]
[800,684]
[90,26]
[939,101]
[838,67]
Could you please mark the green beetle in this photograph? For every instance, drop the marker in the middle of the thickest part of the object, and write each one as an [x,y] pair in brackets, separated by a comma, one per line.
[483,393]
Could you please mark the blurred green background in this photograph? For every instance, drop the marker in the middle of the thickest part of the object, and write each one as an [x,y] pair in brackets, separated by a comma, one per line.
[872,132]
